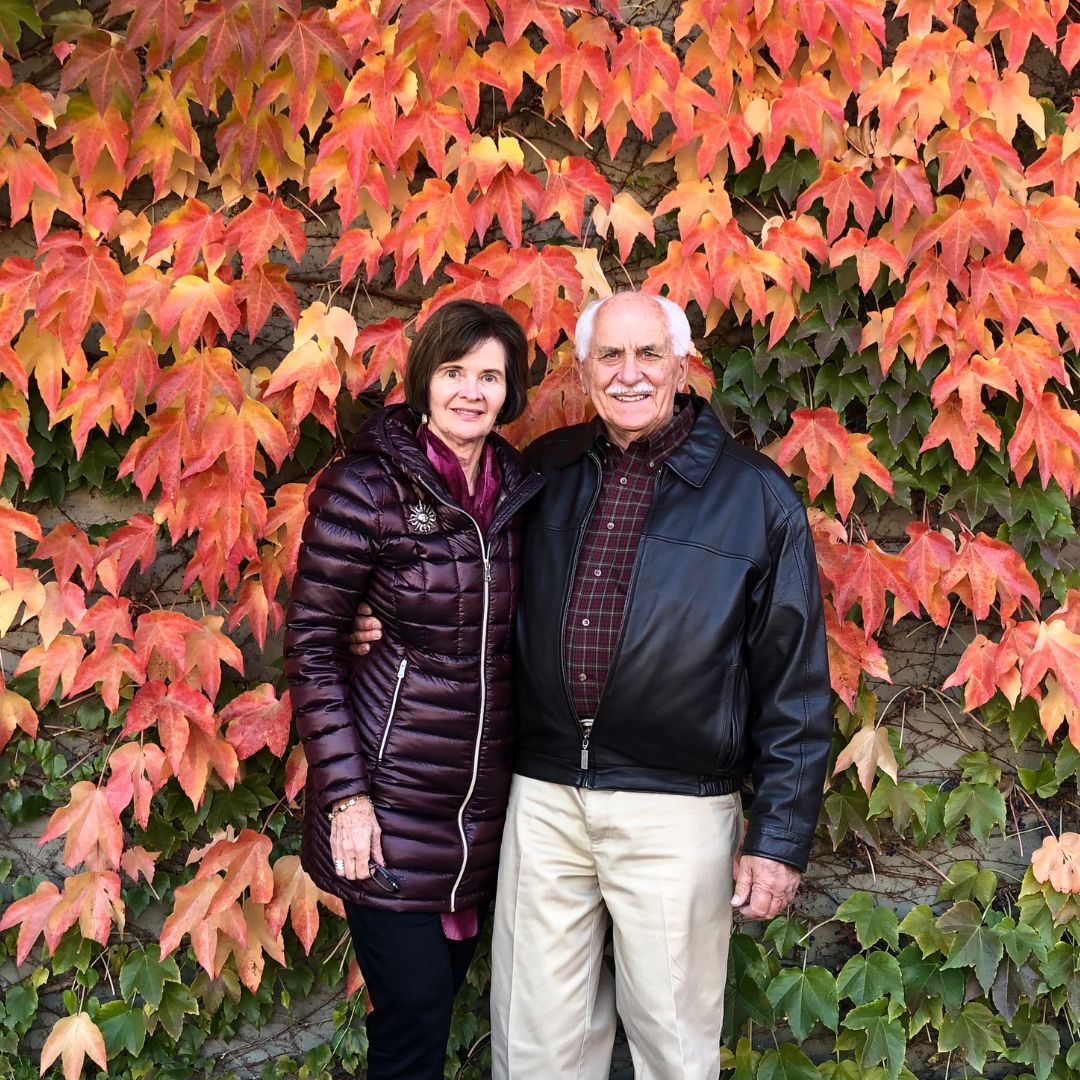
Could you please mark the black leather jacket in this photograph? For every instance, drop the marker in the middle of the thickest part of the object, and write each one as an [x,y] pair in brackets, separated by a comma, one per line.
[721,671]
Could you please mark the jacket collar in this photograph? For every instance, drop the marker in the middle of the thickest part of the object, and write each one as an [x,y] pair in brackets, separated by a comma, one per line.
[392,433]
[692,460]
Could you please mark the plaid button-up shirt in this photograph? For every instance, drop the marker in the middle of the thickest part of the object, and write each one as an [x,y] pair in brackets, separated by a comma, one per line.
[606,561]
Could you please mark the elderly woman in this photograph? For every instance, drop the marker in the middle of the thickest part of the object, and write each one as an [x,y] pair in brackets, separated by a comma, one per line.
[409,749]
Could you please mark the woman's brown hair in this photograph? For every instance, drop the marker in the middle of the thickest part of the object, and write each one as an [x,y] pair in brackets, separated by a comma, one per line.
[456,329]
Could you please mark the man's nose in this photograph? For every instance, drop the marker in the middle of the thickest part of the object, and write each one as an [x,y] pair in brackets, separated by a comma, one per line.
[629,372]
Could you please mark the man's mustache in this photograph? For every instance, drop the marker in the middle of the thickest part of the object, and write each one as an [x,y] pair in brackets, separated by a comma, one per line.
[630,391]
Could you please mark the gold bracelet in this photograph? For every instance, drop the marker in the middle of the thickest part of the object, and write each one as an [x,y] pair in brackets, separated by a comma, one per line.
[342,807]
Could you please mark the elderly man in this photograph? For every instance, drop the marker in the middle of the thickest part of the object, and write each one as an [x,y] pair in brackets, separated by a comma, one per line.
[671,642]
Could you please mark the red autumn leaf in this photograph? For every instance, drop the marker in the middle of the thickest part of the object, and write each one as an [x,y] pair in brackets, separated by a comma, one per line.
[137,862]
[30,915]
[16,711]
[105,64]
[686,275]
[356,246]
[14,522]
[840,189]
[266,223]
[13,444]
[108,619]
[156,456]
[190,906]
[80,282]
[1057,650]
[257,718]
[569,182]
[902,183]
[62,604]
[250,958]
[108,666]
[869,255]
[850,654]
[297,897]
[295,773]
[69,549]
[73,1039]
[192,301]
[190,231]
[59,660]
[92,899]
[196,379]
[950,425]
[927,555]
[801,111]
[866,574]
[1052,432]
[985,668]
[245,862]
[93,831]
[985,568]
[504,199]
[137,770]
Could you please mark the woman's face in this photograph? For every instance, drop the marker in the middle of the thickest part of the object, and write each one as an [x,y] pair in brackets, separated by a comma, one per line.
[466,395]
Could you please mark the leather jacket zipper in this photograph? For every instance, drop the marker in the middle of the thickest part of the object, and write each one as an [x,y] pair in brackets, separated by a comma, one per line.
[393,708]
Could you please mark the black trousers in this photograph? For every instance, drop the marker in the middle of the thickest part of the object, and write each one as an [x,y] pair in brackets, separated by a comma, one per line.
[412,973]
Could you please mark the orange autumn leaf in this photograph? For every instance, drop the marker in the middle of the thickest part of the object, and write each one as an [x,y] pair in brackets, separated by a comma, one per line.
[93,830]
[868,750]
[73,1039]
[1057,861]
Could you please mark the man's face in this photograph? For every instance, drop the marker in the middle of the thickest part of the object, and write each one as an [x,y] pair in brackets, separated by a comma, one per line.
[630,373]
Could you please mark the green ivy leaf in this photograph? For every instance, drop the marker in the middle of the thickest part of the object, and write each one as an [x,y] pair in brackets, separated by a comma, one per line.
[785,934]
[885,1038]
[920,925]
[123,1028]
[1040,781]
[974,1032]
[977,492]
[787,1062]
[1020,941]
[805,996]
[925,978]
[982,804]
[20,1004]
[979,769]
[873,923]
[975,945]
[866,978]
[176,1003]
[967,882]
[846,811]
[902,802]
[145,973]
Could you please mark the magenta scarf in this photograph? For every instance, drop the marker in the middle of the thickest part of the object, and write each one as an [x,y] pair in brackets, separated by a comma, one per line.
[481,504]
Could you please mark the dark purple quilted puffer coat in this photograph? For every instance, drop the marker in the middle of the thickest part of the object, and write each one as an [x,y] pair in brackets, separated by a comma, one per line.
[424,722]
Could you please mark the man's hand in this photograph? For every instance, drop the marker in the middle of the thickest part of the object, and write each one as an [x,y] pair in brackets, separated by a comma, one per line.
[366,629]
[763,887]
[356,839]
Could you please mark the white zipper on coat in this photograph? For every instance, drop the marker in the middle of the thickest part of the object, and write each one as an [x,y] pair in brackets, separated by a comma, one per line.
[393,708]
[483,695]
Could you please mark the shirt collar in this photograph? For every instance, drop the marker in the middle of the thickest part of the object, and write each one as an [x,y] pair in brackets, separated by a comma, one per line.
[661,443]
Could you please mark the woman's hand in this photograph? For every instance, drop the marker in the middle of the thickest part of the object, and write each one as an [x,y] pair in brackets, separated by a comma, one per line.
[355,840]
[366,629]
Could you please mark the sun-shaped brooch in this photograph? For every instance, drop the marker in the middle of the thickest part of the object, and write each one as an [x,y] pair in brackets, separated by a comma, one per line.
[422,518]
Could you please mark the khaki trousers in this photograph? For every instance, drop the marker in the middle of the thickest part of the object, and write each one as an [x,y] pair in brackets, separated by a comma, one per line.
[658,868]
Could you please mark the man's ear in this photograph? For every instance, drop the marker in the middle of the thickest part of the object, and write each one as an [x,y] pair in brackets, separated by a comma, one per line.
[579,367]
[684,371]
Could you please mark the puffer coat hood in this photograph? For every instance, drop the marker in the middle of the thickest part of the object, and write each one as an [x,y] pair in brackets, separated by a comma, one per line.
[423,723]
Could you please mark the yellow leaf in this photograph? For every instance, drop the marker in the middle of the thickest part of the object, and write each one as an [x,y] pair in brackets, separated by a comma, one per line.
[71,1039]
[868,751]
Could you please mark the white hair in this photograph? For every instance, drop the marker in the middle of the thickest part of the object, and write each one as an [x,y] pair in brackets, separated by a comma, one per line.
[677,323]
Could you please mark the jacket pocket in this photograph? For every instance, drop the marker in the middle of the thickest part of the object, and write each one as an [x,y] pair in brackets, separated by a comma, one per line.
[402,668]
[731,738]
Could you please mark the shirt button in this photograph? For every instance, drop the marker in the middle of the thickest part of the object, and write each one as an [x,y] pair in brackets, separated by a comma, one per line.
[651,464]
[597,573]
[582,677]
[611,524]
[584,622]
[622,479]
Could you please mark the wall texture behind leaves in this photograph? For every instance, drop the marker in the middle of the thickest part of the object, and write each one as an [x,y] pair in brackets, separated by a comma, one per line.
[226,219]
